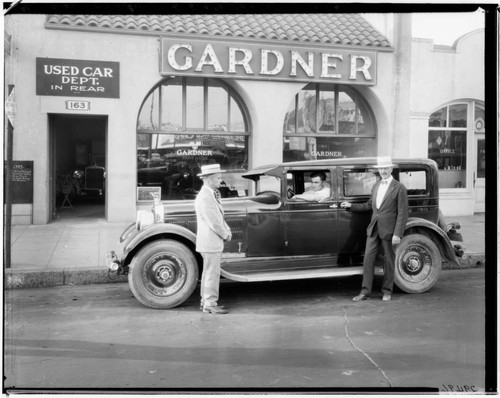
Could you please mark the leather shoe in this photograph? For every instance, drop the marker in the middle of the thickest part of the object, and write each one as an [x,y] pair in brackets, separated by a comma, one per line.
[201,306]
[386,297]
[360,297]
[215,309]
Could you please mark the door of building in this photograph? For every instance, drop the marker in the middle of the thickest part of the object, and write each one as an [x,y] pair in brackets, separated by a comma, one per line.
[479,174]
[78,161]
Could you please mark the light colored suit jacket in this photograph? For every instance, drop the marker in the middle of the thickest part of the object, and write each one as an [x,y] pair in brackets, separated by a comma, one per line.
[212,229]
[392,215]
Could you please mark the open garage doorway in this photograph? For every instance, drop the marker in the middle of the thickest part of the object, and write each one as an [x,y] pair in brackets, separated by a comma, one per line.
[78,167]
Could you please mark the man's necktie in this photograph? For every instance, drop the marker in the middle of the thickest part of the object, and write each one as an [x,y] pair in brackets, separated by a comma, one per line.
[217,195]
[383,182]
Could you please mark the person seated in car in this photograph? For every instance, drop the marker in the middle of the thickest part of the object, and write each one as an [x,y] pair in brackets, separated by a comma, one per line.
[319,192]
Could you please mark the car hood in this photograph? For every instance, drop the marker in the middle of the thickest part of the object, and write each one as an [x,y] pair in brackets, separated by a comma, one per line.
[230,205]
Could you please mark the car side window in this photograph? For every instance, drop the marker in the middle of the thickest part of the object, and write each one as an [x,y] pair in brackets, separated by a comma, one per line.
[415,181]
[358,182]
[269,184]
[300,181]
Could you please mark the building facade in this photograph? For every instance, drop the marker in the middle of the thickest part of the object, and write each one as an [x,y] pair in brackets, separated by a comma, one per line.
[119,107]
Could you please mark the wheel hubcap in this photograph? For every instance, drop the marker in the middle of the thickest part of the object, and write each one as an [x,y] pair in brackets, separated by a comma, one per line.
[415,263]
[164,274]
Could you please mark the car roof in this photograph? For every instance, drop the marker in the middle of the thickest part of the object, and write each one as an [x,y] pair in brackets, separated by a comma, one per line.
[277,169]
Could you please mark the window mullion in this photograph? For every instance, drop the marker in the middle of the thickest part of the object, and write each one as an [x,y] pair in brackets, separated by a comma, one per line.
[205,105]
[336,109]
[184,104]
[316,130]
[160,104]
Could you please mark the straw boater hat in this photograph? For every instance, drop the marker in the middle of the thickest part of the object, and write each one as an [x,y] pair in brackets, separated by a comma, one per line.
[384,161]
[210,169]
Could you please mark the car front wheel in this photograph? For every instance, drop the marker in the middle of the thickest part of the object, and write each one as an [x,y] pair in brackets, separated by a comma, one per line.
[163,274]
[418,264]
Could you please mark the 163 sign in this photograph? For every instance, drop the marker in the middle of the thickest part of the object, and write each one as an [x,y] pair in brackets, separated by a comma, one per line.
[77,78]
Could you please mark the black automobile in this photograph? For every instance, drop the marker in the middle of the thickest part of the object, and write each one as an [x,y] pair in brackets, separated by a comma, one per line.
[276,238]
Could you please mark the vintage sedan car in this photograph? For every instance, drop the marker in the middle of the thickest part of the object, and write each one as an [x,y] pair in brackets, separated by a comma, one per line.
[275,238]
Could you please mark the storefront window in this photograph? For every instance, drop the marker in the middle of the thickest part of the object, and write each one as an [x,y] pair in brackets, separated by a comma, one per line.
[448,149]
[479,129]
[447,144]
[341,125]
[202,122]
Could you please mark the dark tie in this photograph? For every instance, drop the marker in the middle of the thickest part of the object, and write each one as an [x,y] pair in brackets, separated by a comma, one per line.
[217,195]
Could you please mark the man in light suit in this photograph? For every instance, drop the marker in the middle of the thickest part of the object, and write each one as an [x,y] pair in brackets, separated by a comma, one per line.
[212,232]
[389,204]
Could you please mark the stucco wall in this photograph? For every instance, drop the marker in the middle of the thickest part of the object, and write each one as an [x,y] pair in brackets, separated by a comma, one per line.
[440,75]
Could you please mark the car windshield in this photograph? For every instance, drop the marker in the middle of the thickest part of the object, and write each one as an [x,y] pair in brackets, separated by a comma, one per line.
[268,183]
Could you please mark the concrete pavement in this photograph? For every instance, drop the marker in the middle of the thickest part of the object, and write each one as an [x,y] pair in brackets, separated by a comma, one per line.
[74,251]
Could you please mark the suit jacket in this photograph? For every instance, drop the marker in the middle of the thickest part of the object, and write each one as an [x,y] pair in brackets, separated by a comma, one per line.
[212,229]
[392,215]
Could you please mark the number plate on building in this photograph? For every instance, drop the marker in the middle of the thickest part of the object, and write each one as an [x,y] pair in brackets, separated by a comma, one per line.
[78,105]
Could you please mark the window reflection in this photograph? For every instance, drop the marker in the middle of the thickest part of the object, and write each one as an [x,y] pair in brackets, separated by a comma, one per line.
[438,118]
[316,148]
[306,122]
[327,111]
[347,114]
[458,115]
[217,109]
[194,107]
[237,123]
[340,111]
[170,154]
[171,111]
[447,144]
[173,161]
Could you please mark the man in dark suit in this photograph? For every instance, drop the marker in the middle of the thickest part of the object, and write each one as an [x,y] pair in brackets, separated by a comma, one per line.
[389,204]
[211,234]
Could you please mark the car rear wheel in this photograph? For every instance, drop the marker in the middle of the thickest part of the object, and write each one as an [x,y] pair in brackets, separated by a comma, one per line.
[163,274]
[418,264]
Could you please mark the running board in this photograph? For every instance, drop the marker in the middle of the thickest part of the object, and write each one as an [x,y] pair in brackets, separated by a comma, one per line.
[280,275]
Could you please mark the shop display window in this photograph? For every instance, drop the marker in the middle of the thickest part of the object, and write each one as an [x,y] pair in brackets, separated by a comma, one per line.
[185,123]
[447,144]
[327,122]
[449,150]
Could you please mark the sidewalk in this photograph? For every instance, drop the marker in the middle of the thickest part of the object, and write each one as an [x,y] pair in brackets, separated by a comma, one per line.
[74,252]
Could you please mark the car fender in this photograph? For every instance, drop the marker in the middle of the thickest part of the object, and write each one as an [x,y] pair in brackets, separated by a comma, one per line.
[435,233]
[154,232]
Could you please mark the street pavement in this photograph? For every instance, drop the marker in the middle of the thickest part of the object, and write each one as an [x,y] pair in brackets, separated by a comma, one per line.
[73,252]
[305,335]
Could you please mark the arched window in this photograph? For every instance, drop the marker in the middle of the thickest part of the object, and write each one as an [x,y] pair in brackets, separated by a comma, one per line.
[328,121]
[185,123]
[450,128]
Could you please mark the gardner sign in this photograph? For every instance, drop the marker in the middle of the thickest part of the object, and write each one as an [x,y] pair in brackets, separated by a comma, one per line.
[250,61]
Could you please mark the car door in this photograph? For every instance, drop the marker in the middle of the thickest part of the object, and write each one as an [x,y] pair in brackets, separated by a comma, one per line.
[265,229]
[355,185]
[310,227]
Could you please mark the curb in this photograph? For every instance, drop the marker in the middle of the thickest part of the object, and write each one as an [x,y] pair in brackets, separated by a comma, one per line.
[18,279]
[68,276]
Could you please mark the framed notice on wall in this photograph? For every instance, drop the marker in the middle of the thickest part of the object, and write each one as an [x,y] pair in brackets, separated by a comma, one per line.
[145,194]
[21,176]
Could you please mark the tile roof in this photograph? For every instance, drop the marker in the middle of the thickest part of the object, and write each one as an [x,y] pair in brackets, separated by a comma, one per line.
[337,29]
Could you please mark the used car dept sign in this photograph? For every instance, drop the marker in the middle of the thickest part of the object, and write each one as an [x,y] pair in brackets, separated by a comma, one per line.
[78,78]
